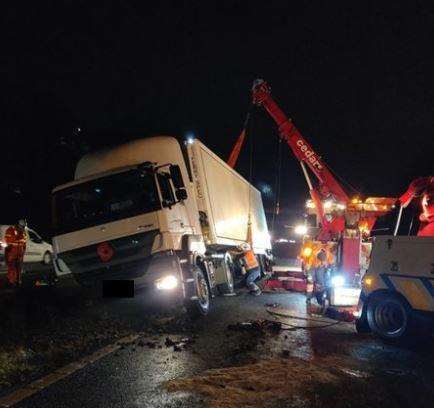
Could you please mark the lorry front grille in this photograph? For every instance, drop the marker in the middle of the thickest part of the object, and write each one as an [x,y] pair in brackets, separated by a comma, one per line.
[130,257]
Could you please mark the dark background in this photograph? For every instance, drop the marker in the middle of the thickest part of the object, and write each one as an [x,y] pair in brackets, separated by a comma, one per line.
[78,75]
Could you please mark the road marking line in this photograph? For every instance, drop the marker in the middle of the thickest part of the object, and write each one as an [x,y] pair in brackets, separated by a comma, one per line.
[63,372]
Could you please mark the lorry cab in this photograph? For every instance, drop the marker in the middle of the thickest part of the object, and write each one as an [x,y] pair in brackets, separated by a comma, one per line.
[125,214]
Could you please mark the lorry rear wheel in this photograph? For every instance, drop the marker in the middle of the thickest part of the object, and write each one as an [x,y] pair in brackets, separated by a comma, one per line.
[389,317]
[227,287]
[200,306]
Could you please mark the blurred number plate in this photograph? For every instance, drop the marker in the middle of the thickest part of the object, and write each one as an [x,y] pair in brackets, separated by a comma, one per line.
[118,288]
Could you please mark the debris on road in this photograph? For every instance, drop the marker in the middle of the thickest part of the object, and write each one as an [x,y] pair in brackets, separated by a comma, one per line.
[257,325]
[178,345]
[169,342]
[354,373]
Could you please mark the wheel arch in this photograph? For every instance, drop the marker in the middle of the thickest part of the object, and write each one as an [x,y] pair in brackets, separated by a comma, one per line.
[380,292]
[199,260]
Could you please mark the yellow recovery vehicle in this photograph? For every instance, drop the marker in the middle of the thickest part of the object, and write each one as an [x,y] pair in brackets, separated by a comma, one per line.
[398,289]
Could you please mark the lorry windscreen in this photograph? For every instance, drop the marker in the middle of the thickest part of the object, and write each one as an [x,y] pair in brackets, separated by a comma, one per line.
[103,200]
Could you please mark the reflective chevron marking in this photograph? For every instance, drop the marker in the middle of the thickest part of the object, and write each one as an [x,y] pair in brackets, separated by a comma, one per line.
[418,290]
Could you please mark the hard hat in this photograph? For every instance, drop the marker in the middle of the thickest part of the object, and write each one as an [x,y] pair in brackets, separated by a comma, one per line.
[244,246]
[22,223]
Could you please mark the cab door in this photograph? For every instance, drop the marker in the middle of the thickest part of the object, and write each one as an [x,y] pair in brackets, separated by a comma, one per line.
[175,213]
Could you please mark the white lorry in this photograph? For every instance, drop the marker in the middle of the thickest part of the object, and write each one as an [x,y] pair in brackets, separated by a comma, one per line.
[158,214]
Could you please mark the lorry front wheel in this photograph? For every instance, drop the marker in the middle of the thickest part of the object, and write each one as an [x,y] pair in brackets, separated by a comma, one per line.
[389,317]
[200,305]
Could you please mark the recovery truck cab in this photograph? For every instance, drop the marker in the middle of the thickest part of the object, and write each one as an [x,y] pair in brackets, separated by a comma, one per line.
[398,289]
[155,213]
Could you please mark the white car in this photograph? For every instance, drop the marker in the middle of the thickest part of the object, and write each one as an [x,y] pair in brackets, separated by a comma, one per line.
[37,250]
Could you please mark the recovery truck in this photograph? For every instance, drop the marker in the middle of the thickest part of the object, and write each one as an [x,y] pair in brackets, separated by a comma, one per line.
[342,243]
[157,213]
[398,289]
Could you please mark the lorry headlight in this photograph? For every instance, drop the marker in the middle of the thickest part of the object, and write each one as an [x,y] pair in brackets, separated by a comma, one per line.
[167,283]
[338,281]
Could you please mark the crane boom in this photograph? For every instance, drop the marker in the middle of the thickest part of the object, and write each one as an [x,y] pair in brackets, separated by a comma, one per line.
[233,157]
[302,150]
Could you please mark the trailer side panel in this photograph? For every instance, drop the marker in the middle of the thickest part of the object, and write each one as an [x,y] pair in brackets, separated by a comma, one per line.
[227,199]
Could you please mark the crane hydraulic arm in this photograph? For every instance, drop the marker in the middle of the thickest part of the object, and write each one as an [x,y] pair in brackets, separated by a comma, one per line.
[233,157]
[236,150]
[300,147]
[327,184]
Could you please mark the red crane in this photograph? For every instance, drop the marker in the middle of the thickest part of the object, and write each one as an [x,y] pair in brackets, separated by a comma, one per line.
[328,187]
[341,217]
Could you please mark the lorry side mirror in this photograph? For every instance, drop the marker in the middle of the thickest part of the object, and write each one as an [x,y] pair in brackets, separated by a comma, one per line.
[181,194]
[175,174]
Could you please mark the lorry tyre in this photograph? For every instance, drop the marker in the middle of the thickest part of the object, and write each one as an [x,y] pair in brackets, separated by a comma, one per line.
[227,287]
[199,306]
[389,317]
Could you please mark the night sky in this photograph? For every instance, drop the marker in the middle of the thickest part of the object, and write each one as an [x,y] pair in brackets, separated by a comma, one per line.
[357,81]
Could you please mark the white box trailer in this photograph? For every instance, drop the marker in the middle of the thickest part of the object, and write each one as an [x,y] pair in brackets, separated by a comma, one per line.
[155,213]
[233,207]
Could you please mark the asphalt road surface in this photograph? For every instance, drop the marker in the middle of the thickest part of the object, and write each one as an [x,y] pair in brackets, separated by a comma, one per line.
[134,375]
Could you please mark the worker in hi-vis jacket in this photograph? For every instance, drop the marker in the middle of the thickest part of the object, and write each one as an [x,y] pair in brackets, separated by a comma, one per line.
[16,238]
[250,264]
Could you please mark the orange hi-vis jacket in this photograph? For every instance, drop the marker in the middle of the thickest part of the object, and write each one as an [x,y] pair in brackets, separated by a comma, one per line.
[250,260]
[16,247]
[16,239]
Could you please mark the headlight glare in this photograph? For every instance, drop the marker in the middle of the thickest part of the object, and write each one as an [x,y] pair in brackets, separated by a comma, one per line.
[338,281]
[168,282]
